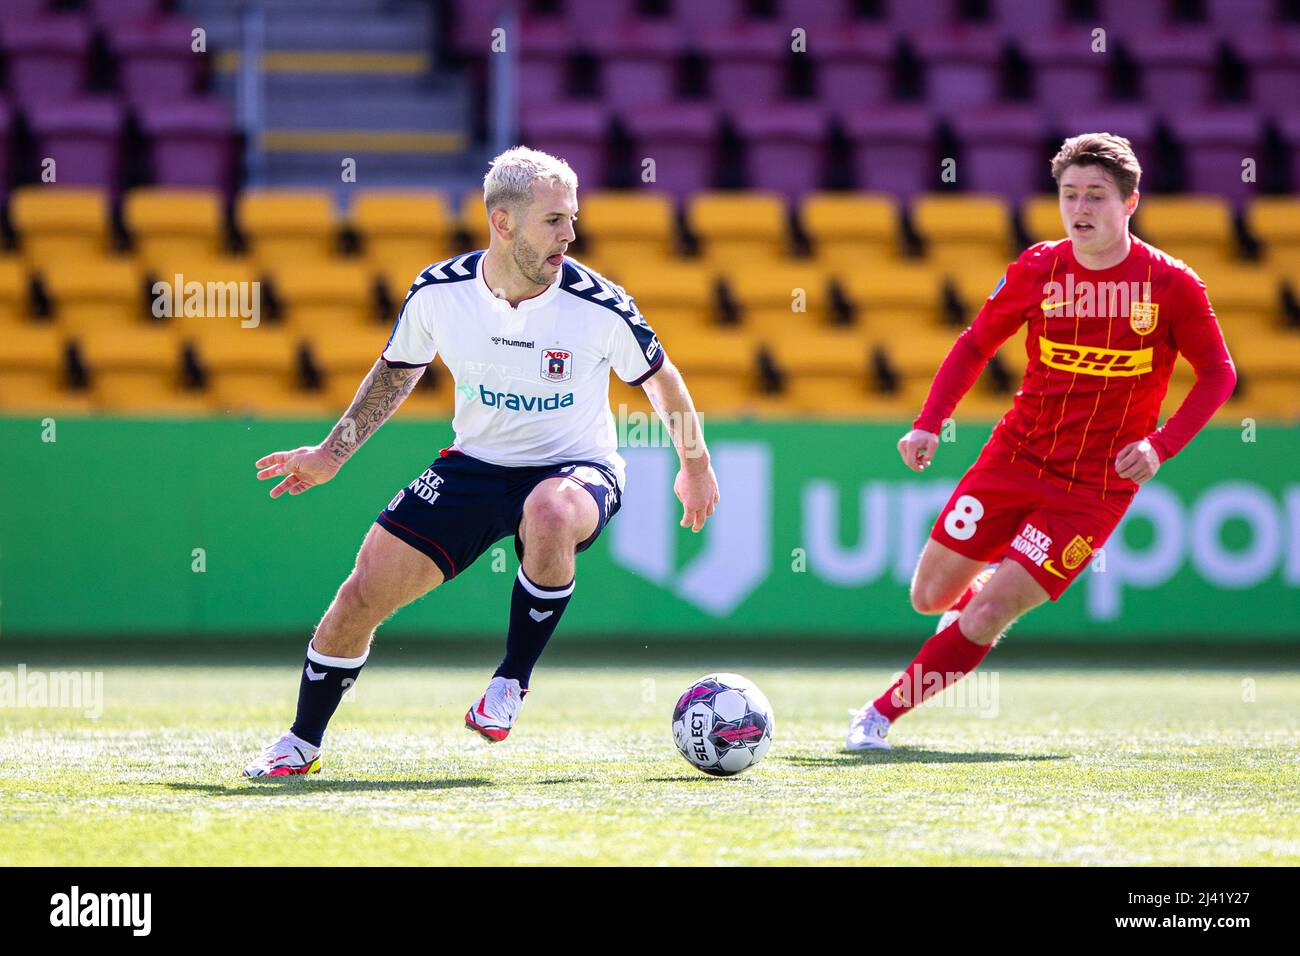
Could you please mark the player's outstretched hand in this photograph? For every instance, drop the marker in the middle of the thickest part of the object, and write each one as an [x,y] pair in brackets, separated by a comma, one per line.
[302,468]
[698,493]
[917,448]
[1137,461]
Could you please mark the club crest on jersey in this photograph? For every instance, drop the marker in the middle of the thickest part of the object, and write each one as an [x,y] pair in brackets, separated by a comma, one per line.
[1076,552]
[557,365]
[1142,316]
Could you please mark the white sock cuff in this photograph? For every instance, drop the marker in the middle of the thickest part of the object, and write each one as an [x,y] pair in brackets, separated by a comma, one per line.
[545,594]
[316,657]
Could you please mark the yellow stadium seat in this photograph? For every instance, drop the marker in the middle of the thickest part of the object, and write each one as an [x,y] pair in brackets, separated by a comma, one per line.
[782,299]
[960,229]
[909,290]
[325,294]
[1268,355]
[287,224]
[344,356]
[851,230]
[826,353]
[1275,222]
[402,231]
[1244,296]
[13,290]
[166,222]
[975,283]
[671,295]
[617,226]
[627,399]
[251,370]
[210,294]
[1041,218]
[473,219]
[1267,399]
[740,228]
[133,369]
[914,352]
[60,223]
[827,396]
[1196,229]
[31,366]
[713,351]
[95,292]
[721,395]
[433,397]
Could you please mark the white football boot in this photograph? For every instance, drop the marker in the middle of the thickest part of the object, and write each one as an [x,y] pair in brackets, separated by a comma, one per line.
[287,757]
[497,710]
[867,729]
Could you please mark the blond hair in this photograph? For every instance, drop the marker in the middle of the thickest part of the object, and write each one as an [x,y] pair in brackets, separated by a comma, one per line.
[510,177]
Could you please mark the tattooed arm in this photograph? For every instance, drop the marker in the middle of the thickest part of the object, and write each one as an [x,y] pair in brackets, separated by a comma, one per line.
[382,390]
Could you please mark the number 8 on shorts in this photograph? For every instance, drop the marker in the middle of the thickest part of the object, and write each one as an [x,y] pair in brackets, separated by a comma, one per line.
[961,520]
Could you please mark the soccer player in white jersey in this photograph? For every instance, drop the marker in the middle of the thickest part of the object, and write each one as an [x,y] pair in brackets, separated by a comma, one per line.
[530,337]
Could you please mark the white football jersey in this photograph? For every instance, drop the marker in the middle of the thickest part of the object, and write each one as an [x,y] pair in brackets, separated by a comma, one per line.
[532,383]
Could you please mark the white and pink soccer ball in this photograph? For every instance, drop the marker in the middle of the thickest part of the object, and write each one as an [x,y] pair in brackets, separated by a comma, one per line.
[723,724]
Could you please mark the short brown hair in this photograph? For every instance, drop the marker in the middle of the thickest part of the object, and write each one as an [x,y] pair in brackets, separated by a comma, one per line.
[1112,153]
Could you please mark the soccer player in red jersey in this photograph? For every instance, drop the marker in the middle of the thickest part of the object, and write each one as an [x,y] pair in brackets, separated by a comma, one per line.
[1107,317]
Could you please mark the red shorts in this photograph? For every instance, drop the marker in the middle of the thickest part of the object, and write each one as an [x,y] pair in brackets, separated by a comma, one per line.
[1002,511]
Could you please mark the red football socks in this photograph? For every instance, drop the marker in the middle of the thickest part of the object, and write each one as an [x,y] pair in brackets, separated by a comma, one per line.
[942,661]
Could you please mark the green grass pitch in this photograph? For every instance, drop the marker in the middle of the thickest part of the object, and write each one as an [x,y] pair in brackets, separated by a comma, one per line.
[1083,765]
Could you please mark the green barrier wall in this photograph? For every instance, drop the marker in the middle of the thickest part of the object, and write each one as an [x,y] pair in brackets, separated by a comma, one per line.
[158,528]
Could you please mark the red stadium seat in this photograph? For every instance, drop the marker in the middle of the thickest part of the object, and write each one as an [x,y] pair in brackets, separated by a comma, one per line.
[1002,150]
[1177,67]
[545,47]
[961,65]
[786,147]
[1216,141]
[682,141]
[854,66]
[638,62]
[746,64]
[82,136]
[893,149]
[47,57]
[1274,61]
[1066,70]
[155,59]
[578,131]
[191,143]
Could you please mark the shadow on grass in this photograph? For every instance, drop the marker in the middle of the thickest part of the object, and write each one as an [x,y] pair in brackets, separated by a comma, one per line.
[914,755]
[685,778]
[273,786]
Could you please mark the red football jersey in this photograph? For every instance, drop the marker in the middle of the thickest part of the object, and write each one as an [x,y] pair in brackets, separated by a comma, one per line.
[1101,346]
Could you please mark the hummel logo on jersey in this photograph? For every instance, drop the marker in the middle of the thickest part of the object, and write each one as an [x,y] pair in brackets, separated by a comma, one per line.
[539,616]
[312,675]
[515,343]
[524,403]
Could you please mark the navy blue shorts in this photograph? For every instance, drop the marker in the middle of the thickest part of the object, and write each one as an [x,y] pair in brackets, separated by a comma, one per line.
[461,506]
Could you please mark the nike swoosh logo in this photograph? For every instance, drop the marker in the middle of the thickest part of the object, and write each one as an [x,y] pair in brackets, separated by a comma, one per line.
[312,675]
[539,616]
[1053,306]
[1051,569]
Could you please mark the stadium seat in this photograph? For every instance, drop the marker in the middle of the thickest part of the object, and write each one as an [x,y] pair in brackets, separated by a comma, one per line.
[738,228]
[133,369]
[746,63]
[1274,62]
[433,397]
[191,142]
[907,292]
[1001,150]
[1215,142]
[974,283]
[576,130]
[287,224]
[6,146]
[542,77]
[1275,222]
[402,231]
[344,356]
[471,218]
[166,222]
[781,300]
[914,352]
[785,146]
[95,293]
[47,57]
[1197,229]
[959,230]
[1041,218]
[673,295]
[854,65]
[13,292]
[325,294]
[1243,296]
[638,58]
[893,149]
[841,354]
[83,137]
[1177,67]
[728,353]
[682,142]
[1066,69]
[961,66]
[154,57]
[633,226]
[254,371]
[852,230]
[31,367]
[59,223]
